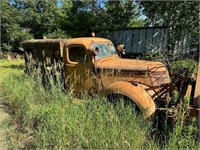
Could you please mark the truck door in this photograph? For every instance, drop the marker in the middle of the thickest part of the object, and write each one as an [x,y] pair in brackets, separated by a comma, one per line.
[78,68]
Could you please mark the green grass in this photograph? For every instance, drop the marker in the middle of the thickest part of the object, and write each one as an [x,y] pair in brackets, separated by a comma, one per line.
[12,66]
[6,67]
[48,119]
[57,122]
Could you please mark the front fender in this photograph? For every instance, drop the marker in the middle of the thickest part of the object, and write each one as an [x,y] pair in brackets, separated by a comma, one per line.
[136,93]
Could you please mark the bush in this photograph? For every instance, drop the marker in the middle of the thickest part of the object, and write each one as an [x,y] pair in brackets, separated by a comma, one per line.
[190,64]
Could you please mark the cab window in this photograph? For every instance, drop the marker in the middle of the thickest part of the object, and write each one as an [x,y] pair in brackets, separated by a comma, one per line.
[77,54]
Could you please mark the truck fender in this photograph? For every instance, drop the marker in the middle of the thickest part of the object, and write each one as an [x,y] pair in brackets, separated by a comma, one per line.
[136,93]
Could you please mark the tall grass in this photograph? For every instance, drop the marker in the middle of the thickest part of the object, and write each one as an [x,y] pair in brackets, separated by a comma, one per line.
[174,127]
[47,118]
[52,120]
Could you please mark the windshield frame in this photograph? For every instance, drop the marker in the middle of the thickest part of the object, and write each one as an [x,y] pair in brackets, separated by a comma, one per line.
[104,50]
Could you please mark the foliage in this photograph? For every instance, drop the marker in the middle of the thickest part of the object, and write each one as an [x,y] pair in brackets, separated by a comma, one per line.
[29,19]
[7,67]
[184,126]
[179,16]
[190,64]
[11,32]
[175,128]
[39,17]
[57,34]
[119,13]
[99,16]
[36,19]
[79,18]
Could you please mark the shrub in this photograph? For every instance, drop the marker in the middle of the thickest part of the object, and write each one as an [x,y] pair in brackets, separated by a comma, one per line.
[190,64]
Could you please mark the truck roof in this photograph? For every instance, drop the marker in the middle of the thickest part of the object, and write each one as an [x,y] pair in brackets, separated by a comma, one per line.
[43,43]
[86,41]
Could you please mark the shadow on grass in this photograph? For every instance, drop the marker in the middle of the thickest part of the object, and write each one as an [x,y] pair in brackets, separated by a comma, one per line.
[13,67]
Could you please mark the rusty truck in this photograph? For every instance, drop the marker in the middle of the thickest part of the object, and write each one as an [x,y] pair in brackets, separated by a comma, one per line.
[97,68]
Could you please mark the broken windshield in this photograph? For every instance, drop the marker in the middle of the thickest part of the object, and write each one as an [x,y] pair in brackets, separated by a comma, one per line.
[103,50]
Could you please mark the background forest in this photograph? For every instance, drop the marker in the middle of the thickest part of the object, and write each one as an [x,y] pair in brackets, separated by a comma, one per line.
[25,19]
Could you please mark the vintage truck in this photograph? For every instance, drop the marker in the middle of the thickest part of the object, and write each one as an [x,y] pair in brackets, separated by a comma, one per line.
[93,65]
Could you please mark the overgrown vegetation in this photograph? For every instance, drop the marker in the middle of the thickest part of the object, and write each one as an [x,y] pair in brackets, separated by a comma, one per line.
[47,118]
[50,119]
[175,63]
[190,64]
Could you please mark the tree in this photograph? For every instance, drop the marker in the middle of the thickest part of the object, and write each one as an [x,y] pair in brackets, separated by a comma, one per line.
[24,19]
[29,19]
[40,17]
[11,32]
[179,16]
[79,18]
[99,15]
[119,13]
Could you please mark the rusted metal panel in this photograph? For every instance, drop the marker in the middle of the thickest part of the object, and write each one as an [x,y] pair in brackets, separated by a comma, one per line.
[128,40]
[44,48]
[149,33]
[40,44]
[139,40]
[43,43]
[86,41]
[145,39]
[153,70]
[134,47]
[136,93]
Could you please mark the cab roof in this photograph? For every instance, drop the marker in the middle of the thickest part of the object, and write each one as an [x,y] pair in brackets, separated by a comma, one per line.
[86,41]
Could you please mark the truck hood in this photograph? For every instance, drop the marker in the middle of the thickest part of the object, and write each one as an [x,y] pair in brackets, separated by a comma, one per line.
[117,63]
[150,73]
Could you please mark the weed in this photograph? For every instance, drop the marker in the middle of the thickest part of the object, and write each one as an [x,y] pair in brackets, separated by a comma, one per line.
[190,64]
[178,130]
[48,118]
[58,123]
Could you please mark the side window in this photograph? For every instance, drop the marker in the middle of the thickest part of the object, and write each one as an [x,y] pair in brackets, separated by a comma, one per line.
[77,54]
